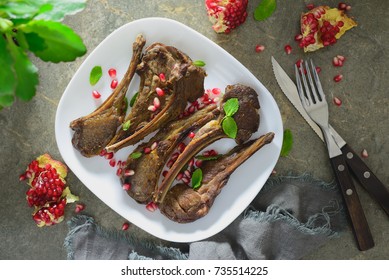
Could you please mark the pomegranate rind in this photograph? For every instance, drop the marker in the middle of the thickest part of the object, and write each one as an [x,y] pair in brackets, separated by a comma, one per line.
[324,13]
[61,168]
[226,15]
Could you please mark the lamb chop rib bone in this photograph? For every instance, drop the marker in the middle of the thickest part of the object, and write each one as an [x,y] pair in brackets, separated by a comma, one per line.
[247,119]
[148,167]
[183,82]
[183,204]
[94,131]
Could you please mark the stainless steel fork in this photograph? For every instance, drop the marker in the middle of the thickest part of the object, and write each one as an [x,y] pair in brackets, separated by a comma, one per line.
[314,102]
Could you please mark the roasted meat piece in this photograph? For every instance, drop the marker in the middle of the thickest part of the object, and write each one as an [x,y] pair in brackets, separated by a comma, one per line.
[169,80]
[246,118]
[183,204]
[94,131]
[143,170]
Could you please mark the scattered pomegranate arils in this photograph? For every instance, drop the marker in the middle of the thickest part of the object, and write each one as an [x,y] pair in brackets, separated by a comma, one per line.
[216,91]
[119,171]
[298,37]
[162,77]
[181,147]
[146,150]
[364,153]
[337,101]
[310,6]
[344,7]
[125,226]
[154,146]
[79,208]
[225,15]
[337,62]
[156,102]
[338,78]
[288,49]
[109,155]
[127,186]
[152,108]
[259,48]
[52,213]
[159,92]
[318,69]
[112,73]
[112,162]
[96,94]
[129,172]
[114,83]
[151,206]
[191,134]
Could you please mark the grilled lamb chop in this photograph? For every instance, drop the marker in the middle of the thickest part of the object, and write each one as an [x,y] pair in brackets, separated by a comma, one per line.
[94,131]
[142,173]
[161,98]
[246,118]
[183,204]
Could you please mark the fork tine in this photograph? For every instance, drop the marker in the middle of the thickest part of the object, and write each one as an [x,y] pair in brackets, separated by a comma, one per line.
[317,81]
[307,91]
[300,87]
[315,96]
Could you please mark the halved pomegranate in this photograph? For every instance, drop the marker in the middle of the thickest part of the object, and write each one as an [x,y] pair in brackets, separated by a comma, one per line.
[323,26]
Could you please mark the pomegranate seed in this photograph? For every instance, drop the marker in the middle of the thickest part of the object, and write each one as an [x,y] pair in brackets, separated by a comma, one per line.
[364,153]
[185,180]
[298,37]
[216,91]
[28,175]
[288,49]
[170,163]
[187,174]
[112,73]
[335,62]
[340,23]
[348,8]
[259,48]
[153,146]
[114,83]
[198,163]
[162,77]
[175,156]
[191,163]
[338,78]
[152,108]
[119,171]
[146,150]
[125,226]
[181,147]
[310,6]
[79,208]
[126,186]
[337,101]
[159,91]
[103,152]
[191,134]
[96,94]
[129,172]
[156,102]
[342,6]
[22,177]
[179,176]
[318,69]
[298,62]
[164,173]
[109,155]
[341,57]
[112,162]
[151,206]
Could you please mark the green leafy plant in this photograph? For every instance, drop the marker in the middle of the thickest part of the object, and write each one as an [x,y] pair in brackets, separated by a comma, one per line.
[265,9]
[34,26]
[229,125]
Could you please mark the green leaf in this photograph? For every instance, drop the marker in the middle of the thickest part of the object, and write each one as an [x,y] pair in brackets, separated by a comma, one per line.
[231,106]
[229,127]
[126,125]
[95,75]
[287,143]
[133,99]
[60,9]
[53,41]
[199,63]
[197,178]
[136,155]
[20,9]
[26,73]
[7,76]
[265,9]
[205,158]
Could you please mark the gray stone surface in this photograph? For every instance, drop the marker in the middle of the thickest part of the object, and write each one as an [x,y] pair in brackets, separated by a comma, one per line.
[27,129]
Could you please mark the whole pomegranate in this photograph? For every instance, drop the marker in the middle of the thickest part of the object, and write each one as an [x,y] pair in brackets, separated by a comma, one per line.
[323,26]
[47,193]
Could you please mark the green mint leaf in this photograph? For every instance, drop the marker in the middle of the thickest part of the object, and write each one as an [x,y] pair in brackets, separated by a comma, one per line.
[53,41]
[20,9]
[126,125]
[231,106]
[265,9]
[205,158]
[287,143]
[7,77]
[199,63]
[60,9]
[95,74]
[197,178]
[229,127]
[5,24]
[136,155]
[133,99]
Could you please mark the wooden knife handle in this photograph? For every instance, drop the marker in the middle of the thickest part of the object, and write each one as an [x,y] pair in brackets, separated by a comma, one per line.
[366,178]
[358,220]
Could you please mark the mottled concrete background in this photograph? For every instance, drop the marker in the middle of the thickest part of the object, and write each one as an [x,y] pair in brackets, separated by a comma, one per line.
[27,129]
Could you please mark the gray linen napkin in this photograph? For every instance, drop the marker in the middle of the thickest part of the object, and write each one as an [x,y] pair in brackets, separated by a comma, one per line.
[290,217]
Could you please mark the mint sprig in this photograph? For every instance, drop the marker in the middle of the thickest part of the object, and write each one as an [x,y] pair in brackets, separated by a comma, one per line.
[265,9]
[33,26]
[229,125]
[199,63]
[95,74]
[197,178]
[287,143]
